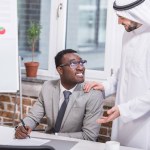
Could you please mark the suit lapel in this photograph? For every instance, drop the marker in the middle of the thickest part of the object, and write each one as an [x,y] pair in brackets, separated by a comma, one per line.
[72,99]
[56,98]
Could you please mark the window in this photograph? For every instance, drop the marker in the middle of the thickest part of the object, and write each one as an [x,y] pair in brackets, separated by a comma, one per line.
[34,11]
[87,26]
[86,30]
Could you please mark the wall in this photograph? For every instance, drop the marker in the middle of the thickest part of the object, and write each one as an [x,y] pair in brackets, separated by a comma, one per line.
[30,94]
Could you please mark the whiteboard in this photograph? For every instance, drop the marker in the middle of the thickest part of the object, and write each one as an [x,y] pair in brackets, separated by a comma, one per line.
[9,75]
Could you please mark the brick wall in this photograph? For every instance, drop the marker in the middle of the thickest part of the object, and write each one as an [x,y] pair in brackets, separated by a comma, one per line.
[105,130]
[7,105]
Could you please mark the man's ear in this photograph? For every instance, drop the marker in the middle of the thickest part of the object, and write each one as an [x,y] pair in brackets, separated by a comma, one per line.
[59,70]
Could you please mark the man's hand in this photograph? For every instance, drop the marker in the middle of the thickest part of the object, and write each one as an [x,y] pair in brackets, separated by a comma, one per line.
[96,86]
[113,113]
[22,132]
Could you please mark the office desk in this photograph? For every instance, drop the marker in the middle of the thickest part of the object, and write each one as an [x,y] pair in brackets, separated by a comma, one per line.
[80,145]
[58,142]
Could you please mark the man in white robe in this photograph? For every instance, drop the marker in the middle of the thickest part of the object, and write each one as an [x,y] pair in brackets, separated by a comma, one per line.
[132,81]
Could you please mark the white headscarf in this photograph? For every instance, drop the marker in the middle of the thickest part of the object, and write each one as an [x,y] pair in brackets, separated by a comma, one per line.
[140,13]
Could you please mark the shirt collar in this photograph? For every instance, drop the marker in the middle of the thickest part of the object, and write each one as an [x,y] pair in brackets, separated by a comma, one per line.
[64,89]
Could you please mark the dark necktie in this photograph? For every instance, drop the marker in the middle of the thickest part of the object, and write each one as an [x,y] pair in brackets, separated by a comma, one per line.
[62,111]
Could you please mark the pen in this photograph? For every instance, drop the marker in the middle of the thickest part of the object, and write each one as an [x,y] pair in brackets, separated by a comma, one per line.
[23,124]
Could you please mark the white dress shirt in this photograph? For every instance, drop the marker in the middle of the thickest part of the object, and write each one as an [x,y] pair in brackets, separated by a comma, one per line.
[62,89]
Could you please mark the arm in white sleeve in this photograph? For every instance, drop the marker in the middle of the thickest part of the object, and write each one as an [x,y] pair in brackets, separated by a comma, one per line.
[110,85]
[139,106]
[135,108]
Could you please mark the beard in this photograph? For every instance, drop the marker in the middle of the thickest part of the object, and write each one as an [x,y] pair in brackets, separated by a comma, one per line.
[131,27]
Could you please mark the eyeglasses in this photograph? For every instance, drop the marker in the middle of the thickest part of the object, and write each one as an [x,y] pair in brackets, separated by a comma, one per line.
[74,64]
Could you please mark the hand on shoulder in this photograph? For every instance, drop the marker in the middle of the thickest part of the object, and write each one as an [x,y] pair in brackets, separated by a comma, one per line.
[95,85]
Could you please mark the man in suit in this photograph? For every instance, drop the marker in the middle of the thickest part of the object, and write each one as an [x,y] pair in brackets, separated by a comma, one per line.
[82,109]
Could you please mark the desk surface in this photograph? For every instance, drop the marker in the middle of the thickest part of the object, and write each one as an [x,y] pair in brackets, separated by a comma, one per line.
[80,145]
[59,142]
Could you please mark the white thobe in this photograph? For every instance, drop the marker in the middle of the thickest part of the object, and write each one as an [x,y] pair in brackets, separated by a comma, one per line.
[132,87]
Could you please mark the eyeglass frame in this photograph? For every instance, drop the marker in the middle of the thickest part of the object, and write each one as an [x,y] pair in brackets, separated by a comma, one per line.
[76,63]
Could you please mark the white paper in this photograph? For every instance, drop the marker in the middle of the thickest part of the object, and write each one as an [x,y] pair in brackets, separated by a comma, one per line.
[27,142]
[7,138]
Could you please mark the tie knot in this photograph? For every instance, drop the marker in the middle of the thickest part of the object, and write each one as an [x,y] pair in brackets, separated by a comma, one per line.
[67,94]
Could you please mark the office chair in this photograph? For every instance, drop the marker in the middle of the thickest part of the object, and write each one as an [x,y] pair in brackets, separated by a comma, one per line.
[9,147]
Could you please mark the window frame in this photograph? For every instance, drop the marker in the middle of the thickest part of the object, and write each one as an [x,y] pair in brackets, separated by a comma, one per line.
[58,35]
[111,27]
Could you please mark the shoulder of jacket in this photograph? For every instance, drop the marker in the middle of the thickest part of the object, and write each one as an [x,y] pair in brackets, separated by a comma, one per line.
[50,83]
[97,94]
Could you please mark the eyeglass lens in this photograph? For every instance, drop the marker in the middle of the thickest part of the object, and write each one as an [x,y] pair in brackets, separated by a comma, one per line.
[74,64]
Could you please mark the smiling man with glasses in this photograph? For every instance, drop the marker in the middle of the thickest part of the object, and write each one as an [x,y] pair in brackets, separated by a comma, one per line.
[69,111]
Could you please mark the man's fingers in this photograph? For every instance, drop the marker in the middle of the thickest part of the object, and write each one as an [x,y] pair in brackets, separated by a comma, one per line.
[29,129]
[111,117]
[106,119]
[22,129]
[86,87]
[113,113]
[89,85]
[20,135]
[102,120]
[97,87]
[110,111]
